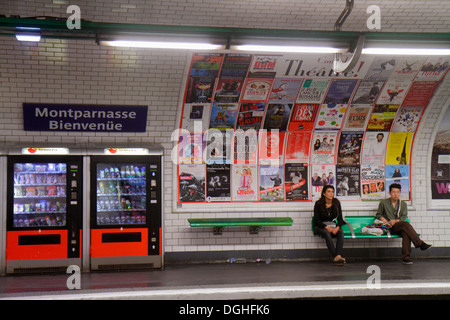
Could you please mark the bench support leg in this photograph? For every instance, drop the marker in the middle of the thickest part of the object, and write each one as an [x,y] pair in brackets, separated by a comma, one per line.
[254,230]
[218,231]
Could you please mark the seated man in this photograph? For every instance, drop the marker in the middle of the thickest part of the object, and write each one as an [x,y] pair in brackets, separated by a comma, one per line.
[394,212]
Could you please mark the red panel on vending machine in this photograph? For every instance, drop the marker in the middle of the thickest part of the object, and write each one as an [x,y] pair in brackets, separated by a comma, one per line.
[36,244]
[119,243]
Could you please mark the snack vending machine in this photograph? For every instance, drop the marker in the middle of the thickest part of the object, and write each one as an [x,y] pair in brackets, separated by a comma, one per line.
[126,208]
[44,210]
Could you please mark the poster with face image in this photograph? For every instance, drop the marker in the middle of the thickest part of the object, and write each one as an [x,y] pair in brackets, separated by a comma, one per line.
[321,175]
[374,147]
[323,150]
[244,182]
[372,182]
[271,183]
[191,179]
[398,174]
[296,181]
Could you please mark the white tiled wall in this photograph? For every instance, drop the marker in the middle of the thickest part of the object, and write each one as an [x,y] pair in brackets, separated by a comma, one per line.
[396,15]
[61,71]
[69,71]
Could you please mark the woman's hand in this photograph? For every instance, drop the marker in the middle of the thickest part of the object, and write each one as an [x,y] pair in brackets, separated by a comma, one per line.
[335,230]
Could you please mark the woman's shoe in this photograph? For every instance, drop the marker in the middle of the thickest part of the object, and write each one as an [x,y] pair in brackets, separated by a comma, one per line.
[339,260]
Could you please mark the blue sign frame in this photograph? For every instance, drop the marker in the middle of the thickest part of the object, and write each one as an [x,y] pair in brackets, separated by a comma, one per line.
[85,118]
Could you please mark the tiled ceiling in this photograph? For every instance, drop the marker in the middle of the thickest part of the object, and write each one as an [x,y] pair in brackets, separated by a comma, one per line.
[396,15]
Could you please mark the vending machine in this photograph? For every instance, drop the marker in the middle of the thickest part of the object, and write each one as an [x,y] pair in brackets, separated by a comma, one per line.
[126,209]
[44,210]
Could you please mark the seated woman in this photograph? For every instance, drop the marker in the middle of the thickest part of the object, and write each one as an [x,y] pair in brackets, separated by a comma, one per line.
[328,221]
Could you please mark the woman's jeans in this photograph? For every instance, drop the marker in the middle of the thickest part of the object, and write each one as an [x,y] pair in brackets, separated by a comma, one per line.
[334,251]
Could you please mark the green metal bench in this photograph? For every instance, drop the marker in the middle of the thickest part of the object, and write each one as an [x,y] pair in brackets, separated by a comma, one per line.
[253,223]
[353,226]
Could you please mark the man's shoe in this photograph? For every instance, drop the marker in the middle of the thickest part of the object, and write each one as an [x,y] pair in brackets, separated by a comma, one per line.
[424,246]
[407,261]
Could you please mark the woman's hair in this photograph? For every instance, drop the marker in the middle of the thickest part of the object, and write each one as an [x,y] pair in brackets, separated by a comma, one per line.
[322,195]
[324,189]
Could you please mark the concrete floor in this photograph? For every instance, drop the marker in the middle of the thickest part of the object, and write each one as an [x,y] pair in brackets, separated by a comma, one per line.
[277,280]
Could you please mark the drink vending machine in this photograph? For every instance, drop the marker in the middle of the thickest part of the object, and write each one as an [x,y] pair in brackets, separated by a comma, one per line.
[126,208]
[44,209]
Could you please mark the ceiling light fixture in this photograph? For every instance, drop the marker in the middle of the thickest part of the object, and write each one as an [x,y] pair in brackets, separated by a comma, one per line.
[280,48]
[406,51]
[28,34]
[163,45]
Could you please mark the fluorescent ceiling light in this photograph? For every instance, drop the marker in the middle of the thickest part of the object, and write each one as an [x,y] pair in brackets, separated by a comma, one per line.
[28,34]
[163,45]
[298,49]
[28,37]
[406,51]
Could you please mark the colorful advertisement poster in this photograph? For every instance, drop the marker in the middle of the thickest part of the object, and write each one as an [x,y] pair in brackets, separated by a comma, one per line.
[271,183]
[321,175]
[245,146]
[407,119]
[218,186]
[206,64]
[264,66]
[330,116]
[420,93]
[218,146]
[348,185]
[382,117]
[296,182]
[302,117]
[313,91]
[196,117]
[407,67]
[271,147]
[235,66]
[200,89]
[349,149]
[297,147]
[191,148]
[228,90]
[367,92]
[374,147]
[277,116]
[381,68]
[340,91]
[398,174]
[393,92]
[357,117]
[372,182]
[285,90]
[440,160]
[399,148]
[434,69]
[324,147]
[257,89]
[191,180]
[250,115]
[244,179]
[223,115]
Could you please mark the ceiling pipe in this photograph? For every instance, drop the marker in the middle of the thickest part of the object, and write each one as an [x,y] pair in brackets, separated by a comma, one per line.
[338,65]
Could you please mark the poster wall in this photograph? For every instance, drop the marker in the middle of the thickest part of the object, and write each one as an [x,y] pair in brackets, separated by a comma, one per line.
[440,161]
[278,127]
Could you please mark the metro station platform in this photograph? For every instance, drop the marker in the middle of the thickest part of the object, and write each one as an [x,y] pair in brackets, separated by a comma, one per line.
[425,279]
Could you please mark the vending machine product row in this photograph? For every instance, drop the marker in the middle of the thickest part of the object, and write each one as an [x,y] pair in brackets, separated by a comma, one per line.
[113,195]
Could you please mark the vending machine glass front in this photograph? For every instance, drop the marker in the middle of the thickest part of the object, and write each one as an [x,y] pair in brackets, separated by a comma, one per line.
[121,194]
[39,195]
